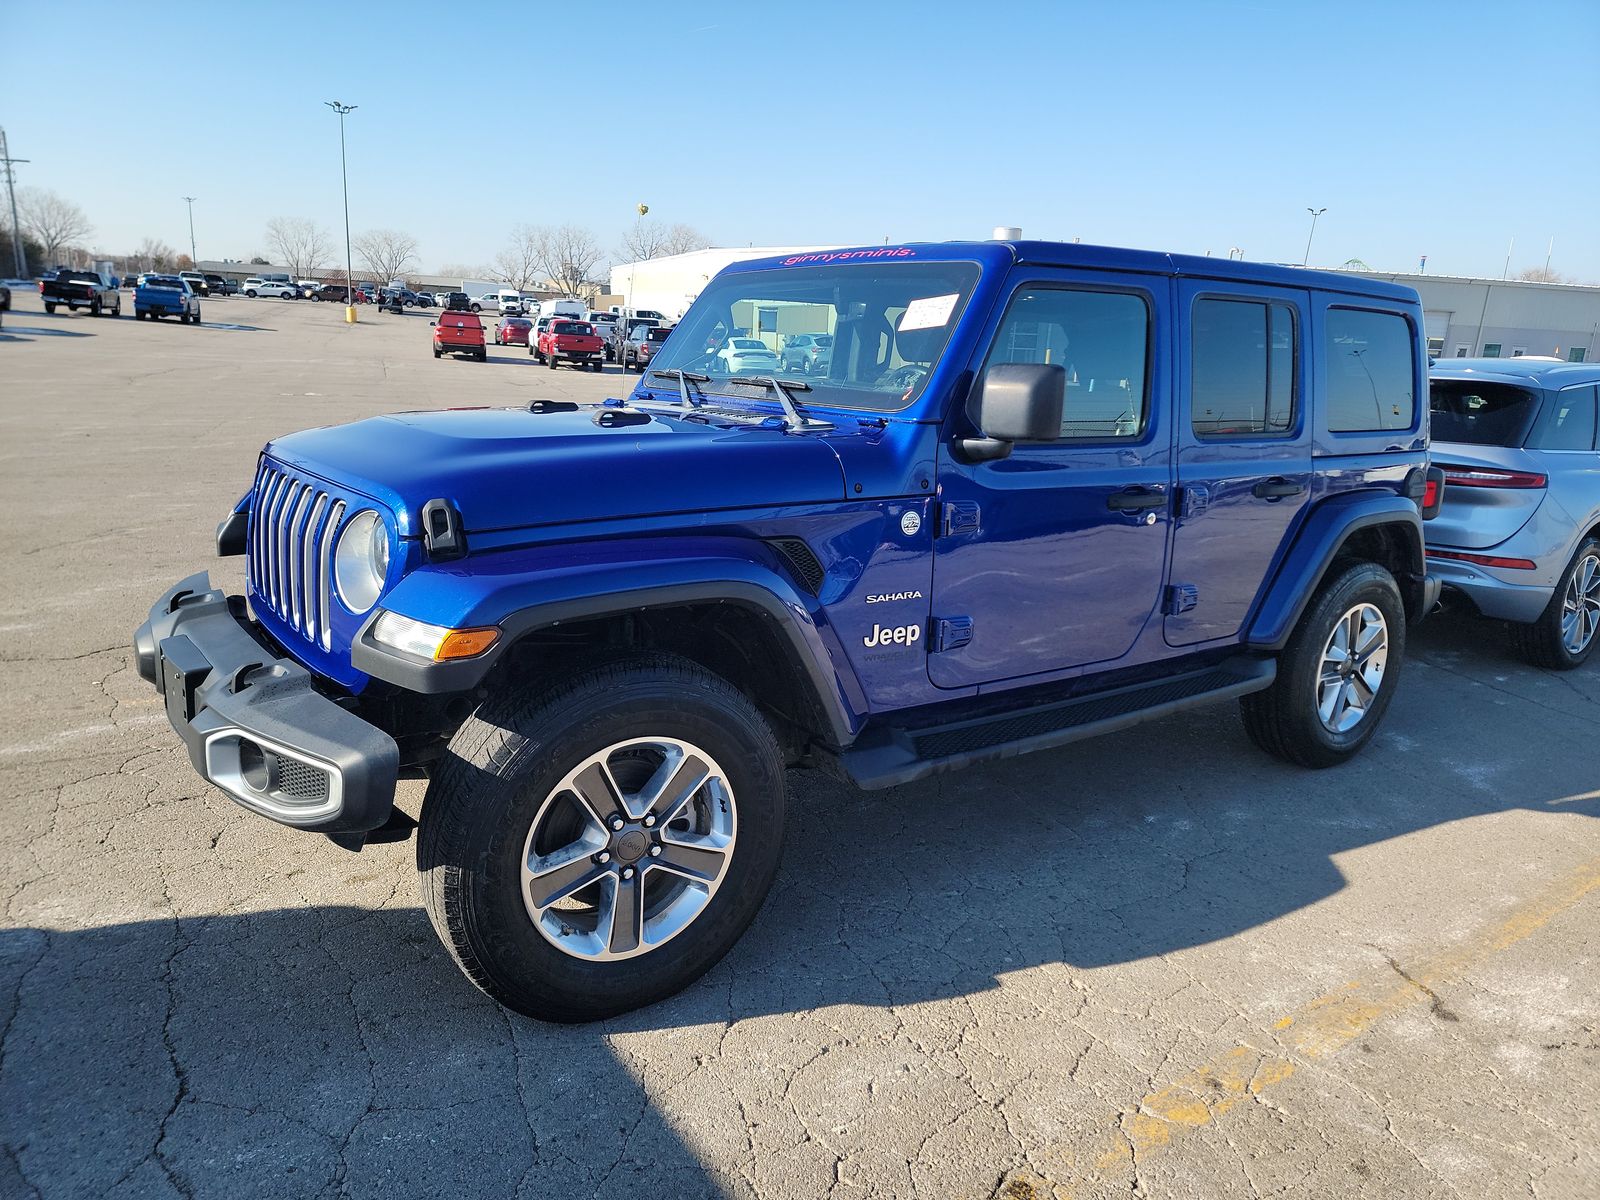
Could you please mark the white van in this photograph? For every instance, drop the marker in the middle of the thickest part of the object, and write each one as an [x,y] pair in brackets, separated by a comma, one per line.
[563,308]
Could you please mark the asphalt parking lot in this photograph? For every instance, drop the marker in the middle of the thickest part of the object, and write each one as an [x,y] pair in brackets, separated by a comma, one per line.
[1158,963]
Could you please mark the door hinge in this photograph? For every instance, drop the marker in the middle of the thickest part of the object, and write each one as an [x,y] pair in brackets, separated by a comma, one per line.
[951,633]
[957,517]
[1181,597]
[1196,498]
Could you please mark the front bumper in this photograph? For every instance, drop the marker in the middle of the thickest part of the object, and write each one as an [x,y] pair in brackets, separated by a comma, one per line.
[254,723]
[1490,595]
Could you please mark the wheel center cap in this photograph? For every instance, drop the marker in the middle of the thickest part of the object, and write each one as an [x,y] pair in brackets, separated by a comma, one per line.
[631,846]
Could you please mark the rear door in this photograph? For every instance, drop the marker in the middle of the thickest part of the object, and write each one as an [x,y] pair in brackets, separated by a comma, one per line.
[1244,451]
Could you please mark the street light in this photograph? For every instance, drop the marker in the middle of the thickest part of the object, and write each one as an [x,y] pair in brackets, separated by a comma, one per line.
[1315,213]
[194,258]
[349,270]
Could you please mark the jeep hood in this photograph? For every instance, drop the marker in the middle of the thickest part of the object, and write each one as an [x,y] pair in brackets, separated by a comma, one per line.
[511,468]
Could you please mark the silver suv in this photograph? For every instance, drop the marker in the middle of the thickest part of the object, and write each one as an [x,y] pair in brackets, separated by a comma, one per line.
[1519,534]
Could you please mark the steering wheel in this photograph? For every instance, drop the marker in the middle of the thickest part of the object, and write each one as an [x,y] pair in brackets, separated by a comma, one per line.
[903,378]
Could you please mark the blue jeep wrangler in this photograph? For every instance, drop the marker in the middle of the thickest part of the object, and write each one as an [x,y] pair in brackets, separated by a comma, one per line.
[1037,492]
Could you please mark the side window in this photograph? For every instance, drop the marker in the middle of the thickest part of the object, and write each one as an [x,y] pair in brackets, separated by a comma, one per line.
[1101,339]
[1371,371]
[1566,422]
[1242,382]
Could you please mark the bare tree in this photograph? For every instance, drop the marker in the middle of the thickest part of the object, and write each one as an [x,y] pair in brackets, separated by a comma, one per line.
[465,271]
[1542,275]
[569,256]
[651,239]
[154,255]
[299,243]
[387,253]
[681,239]
[53,221]
[521,262]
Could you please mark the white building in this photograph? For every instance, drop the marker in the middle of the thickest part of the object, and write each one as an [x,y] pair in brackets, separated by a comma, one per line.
[1505,318]
[669,285]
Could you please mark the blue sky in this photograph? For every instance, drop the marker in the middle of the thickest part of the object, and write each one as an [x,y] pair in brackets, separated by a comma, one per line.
[1444,129]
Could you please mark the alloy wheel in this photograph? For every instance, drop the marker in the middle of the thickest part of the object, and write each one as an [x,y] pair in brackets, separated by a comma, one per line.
[1580,605]
[628,849]
[1353,662]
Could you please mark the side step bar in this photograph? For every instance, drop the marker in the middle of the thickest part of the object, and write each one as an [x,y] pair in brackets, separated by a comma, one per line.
[891,756]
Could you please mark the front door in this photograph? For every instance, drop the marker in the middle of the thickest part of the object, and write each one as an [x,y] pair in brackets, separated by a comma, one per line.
[1244,451]
[1053,557]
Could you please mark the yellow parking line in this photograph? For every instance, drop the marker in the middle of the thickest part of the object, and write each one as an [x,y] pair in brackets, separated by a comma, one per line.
[1323,1027]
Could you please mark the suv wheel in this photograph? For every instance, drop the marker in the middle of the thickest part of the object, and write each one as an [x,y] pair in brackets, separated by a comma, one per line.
[1338,673]
[598,846]
[1566,632]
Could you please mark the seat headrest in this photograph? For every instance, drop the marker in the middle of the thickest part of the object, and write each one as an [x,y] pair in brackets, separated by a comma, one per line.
[918,345]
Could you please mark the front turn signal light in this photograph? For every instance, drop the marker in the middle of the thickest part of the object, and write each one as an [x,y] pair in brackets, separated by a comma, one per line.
[464,643]
[431,641]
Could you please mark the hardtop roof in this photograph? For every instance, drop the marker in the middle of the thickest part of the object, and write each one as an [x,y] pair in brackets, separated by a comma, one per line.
[1076,254]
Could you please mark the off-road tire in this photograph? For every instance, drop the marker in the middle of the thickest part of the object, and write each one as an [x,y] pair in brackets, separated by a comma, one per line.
[1283,719]
[497,771]
[1540,642]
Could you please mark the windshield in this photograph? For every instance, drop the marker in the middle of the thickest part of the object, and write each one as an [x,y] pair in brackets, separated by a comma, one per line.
[887,323]
[1479,413]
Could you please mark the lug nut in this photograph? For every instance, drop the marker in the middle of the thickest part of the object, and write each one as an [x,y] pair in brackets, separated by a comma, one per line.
[650,819]
[617,823]
[627,872]
[602,858]
[655,851]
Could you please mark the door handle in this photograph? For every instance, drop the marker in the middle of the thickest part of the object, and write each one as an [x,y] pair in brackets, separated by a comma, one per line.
[1135,501]
[1276,489]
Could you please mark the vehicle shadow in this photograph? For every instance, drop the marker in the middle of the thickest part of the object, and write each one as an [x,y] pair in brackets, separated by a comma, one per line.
[35,331]
[326,1037]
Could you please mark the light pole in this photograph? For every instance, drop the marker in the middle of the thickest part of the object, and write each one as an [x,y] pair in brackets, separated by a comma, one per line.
[1315,213]
[16,229]
[194,257]
[349,270]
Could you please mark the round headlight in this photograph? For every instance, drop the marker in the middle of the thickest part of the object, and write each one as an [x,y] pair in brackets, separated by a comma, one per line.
[361,561]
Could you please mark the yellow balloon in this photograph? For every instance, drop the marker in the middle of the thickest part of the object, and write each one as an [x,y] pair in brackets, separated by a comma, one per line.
[643,208]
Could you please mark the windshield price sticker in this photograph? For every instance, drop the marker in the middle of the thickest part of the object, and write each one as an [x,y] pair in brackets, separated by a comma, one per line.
[930,312]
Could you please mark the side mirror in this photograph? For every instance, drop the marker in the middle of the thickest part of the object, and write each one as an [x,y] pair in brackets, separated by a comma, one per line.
[1015,402]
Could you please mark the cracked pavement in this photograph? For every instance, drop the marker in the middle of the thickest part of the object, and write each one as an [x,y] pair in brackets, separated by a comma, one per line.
[1157,964]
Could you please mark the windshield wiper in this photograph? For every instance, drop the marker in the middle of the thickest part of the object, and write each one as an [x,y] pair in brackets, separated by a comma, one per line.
[684,378]
[781,388]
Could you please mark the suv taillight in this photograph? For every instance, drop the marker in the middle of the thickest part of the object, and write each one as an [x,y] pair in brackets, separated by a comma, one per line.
[1491,477]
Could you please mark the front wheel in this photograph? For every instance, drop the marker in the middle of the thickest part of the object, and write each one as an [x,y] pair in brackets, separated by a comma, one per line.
[1337,675]
[599,844]
[1567,631]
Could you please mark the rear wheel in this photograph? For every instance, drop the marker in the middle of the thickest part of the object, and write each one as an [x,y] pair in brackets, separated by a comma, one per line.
[598,845]
[551,360]
[1337,675]
[437,353]
[48,307]
[1567,631]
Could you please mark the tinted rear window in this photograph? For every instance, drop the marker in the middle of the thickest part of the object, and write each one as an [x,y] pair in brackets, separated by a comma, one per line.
[1371,366]
[1480,413]
[572,327]
[657,335]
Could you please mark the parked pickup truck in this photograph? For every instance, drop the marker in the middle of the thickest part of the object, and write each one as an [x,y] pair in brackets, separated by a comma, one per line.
[166,296]
[573,342]
[81,289]
[1044,491]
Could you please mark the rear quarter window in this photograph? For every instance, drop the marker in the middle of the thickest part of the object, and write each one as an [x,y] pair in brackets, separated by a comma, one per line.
[1566,421]
[1371,371]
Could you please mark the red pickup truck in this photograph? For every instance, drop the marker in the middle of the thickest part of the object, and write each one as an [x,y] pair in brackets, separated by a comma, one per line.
[574,341]
[459,333]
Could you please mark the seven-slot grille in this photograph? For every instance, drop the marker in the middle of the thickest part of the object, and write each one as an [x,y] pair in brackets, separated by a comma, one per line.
[293,527]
